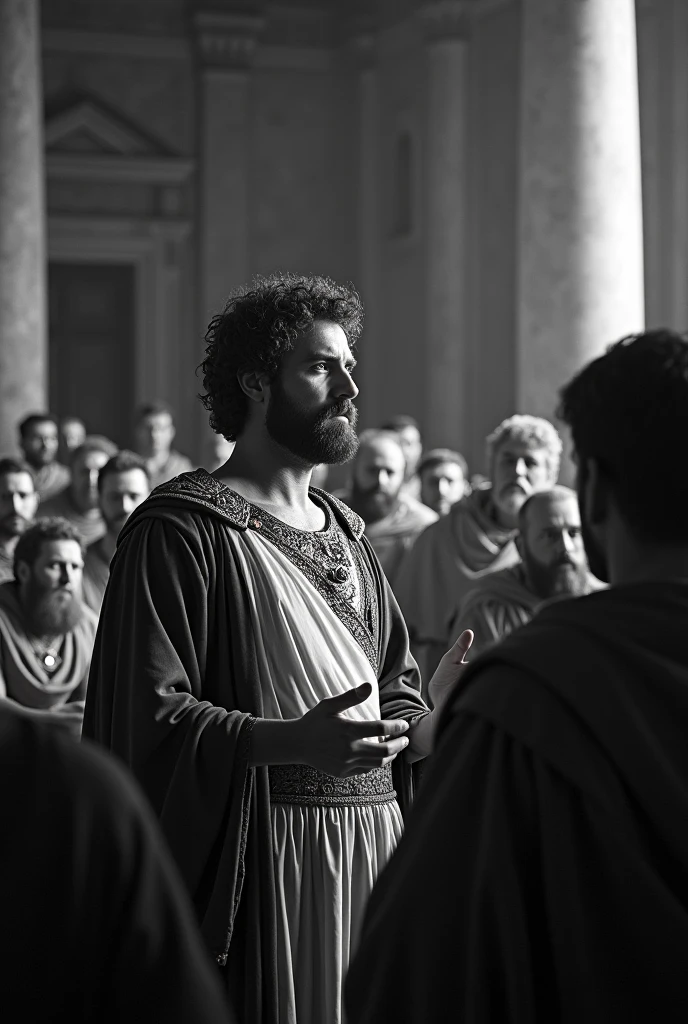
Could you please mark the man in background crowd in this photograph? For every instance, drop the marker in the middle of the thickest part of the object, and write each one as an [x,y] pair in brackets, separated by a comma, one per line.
[392,520]
[443,476]
[72,436]
[155,433]
[82,855]
[411,441]
[122,485]
[18,504]
[46,632]
[543,872]
[39,441]
[79,502]
[476,537]
[553,564]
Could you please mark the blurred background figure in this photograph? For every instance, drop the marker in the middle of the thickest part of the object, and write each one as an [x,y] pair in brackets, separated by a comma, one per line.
[46,632]
[18,503]
[219,451]
[123,483]
[477,537]
[411,441]
[79,502]
[129,948]
[39,441]
[155,433]
[72,436]
[393,519]
[553,564]
[443,476]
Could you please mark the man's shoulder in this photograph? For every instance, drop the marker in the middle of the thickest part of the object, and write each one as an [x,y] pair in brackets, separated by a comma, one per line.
[505,586]
[418,515]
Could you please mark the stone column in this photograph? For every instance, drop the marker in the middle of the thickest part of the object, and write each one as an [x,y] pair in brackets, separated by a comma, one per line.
[368,372]
[580,219]
[446,27]
[226,44]
[23,334]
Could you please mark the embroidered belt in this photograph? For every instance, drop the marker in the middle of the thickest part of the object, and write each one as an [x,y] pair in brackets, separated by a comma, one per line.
[301,784]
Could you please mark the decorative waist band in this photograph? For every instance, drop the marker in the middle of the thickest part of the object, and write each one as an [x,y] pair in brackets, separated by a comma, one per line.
[301,784]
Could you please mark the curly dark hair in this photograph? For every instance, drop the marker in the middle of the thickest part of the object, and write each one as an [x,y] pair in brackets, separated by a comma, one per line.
[41,532]
[258,327]
[628,411]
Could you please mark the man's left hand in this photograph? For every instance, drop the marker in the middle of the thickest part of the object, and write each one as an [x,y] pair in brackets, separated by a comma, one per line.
[450,670]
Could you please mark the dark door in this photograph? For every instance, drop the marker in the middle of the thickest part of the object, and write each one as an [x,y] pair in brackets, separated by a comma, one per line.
[91,353]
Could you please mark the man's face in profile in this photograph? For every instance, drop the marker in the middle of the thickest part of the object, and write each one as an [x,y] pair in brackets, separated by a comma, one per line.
[552,547]
[310,408]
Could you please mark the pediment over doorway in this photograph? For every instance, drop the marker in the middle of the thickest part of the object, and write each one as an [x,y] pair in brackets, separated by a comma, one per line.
[88,127]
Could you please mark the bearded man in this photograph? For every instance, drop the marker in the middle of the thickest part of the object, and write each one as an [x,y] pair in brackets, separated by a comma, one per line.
[252,666]
[544,873]
[46,633]
[123,483]
[79,502]
[39,440]
[392,519]
[553,565]
[477,537]
[443,476]
[18,504]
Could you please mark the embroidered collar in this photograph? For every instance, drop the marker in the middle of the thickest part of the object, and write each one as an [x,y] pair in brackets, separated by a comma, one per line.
[201,488]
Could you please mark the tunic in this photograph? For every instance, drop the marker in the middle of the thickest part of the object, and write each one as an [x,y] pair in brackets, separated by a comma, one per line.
[214,615]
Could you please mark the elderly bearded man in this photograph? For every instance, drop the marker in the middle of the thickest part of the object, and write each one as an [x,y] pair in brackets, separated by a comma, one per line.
[252,666]
[18,504]
[46,633]
[553,565]
[476,537]
[393,519]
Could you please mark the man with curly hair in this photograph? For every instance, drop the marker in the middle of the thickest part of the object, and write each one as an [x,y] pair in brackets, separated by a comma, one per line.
[476,537]
[252,666]
[544,874]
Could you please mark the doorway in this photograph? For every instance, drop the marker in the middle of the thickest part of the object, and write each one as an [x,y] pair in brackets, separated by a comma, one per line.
[92,345]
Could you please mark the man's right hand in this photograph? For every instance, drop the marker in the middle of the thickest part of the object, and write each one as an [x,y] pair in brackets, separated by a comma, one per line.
[341,746]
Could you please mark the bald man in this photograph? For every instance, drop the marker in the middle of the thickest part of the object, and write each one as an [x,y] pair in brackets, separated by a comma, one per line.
[393,519]
[553,564]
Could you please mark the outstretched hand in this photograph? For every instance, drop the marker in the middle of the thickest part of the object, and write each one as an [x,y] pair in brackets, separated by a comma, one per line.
[450,670]
[341,746]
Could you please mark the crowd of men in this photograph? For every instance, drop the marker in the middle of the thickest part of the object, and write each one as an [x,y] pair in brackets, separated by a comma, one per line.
[274,661]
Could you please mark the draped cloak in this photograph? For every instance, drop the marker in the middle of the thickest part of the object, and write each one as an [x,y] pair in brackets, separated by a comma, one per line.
[444,564]
[543,873]
[174,691]
[497,605]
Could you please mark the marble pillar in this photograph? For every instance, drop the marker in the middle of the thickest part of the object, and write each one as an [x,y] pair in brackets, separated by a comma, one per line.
[23,329]
[580,266]
[446,30]
[368,373]
[225,44]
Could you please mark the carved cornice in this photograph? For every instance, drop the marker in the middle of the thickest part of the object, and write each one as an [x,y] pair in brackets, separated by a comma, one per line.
[226,40]
[142,170]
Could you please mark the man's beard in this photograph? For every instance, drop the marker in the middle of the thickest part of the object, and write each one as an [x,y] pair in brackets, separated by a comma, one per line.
[563,578]
[315,439]
[13,526]
[372,504]
[51,612]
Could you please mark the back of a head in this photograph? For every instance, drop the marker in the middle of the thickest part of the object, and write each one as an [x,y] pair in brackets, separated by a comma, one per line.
[628,411]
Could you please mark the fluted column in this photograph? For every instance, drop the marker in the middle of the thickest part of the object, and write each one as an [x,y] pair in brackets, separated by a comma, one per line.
[446,28]
[580,216]
[226,44]
[23,333]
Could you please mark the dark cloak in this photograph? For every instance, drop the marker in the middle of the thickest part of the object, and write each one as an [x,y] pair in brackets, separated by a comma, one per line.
[543,873]
[174,691]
